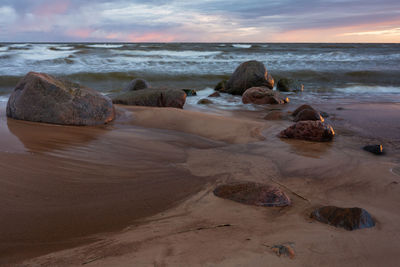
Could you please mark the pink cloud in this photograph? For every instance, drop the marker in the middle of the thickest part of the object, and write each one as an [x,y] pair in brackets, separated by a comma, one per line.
[151,37]
[80,33]
[52,8]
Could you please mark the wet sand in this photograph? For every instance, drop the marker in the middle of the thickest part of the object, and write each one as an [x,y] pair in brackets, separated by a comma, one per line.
[153,172]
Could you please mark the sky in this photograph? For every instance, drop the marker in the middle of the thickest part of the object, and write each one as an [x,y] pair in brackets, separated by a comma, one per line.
[200,21]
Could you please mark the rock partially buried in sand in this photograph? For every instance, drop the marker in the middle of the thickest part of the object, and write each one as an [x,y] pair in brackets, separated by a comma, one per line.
[204,101]
[249,74]
[309,130]
[308,115]
[301,108]
[40,97]
[347,218]
[263,95]
[375,149]
[152,97]
[136,84]
[289,85]
[253,194]
[284,249]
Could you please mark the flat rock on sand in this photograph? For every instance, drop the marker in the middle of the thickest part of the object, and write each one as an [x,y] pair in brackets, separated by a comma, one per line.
[40,97]
[347,218]
[253,194]
[263,95]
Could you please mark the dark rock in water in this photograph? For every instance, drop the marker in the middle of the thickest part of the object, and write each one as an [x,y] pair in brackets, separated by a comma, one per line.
[190,92]
[301,108]
[263,95]
[308,115]
[274,115]
[249,74]
[215,94]
[289,85]
[221,86]
[40,97]
[309,130]
[204,101]
[376,149]
[136,84]
[339,108]
[347,218]
[152,97]
[253,194]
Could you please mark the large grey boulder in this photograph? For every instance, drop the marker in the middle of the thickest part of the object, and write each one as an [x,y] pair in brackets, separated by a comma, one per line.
[40,97]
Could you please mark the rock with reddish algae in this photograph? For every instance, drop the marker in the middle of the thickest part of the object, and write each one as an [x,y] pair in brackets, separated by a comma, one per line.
[309,130]
[308,115]
[40,97]
[249,74]
[263,95]
[253,194]
[347,218]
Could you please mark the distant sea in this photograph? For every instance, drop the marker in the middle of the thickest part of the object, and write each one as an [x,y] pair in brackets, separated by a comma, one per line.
[368,72]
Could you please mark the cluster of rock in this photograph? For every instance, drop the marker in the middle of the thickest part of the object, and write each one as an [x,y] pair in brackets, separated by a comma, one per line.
[40,97]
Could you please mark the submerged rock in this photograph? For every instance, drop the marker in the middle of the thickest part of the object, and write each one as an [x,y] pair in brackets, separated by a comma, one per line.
[253,194]
[309,130]
[274,115]
[221,86]
[190,92]
[249,74]
[375,149]
[289,85]
[136,84]
[308,115]
[215,94]
[347,218]
[263,95]
[204,101]
[40,97]
[152,97]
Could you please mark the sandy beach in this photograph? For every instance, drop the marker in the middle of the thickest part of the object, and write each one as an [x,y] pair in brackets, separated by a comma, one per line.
[139,190]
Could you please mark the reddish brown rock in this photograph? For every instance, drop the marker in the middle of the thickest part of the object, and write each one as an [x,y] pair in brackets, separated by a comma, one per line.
[40,97]
[263,95]
[253,194]
[152,97]
[285,250]
[249,74]
[309,130]
[301,108]
[347,218]
[308,115]
[215,94]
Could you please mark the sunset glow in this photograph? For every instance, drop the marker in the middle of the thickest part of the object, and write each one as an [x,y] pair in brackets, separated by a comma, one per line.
[205,21]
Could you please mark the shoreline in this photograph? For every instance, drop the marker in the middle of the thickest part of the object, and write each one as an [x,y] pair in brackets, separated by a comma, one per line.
[244,148]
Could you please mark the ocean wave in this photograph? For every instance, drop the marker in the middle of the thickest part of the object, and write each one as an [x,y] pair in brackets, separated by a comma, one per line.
[242,45]
[105,45]
[169,53]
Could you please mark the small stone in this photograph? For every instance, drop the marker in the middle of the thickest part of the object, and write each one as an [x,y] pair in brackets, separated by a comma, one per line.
[375,149]
[253,194]
[324,114]
[262,96]
[301,108]
[289,85]
[339,108]
[136,84]
[221,86]
[204,101]
[190,92]
[215,94]
[285,250]
[347,218]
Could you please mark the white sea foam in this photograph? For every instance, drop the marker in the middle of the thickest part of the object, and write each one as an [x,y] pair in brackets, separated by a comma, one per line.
[3,98]
[42,52]
[3,48]
[357,89]
[242,45]
[170,53]
[105,46]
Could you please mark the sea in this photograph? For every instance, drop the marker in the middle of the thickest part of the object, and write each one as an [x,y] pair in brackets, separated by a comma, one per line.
[343,72]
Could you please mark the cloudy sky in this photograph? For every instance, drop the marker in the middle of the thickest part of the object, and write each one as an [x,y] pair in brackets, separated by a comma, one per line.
[200,21]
